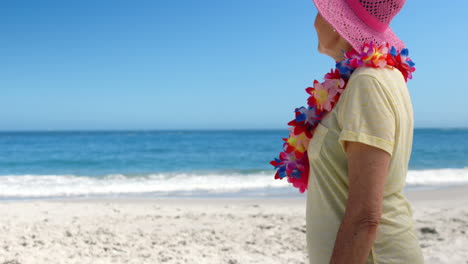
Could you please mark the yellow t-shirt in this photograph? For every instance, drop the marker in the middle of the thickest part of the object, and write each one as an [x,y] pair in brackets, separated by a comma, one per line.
[374,109]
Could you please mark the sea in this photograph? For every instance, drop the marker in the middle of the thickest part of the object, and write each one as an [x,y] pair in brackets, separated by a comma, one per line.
[185,163]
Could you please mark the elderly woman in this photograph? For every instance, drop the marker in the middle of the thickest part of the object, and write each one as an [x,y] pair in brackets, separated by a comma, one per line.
[356,212]
[351,146]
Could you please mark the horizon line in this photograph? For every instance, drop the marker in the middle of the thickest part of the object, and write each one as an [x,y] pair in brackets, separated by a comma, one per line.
[180,129]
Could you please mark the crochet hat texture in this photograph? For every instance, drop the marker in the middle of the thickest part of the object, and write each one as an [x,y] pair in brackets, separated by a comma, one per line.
[361,21]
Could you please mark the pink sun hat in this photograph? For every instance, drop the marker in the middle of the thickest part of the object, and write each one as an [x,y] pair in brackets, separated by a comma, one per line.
[361,21]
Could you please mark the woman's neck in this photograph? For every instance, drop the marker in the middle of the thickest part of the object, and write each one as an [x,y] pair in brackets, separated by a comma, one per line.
[342,46]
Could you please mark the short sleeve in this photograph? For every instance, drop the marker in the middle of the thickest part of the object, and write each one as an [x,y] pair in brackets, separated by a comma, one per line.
[367,114]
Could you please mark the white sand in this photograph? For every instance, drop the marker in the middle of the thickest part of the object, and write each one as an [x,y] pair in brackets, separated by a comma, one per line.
[199,230]
[442,221]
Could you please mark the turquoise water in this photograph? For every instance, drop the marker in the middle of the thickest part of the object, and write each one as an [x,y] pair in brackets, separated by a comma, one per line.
[165,163]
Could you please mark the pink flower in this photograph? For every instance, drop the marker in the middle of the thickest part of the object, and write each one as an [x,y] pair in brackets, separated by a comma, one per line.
[320,97]
[334,86]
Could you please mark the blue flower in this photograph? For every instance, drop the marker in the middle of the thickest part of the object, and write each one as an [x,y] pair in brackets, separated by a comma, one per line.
[301,116]
[404,52]
[282,172]
[344,69]
[296,174]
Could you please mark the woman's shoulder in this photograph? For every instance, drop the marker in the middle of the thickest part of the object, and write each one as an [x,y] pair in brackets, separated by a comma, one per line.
[384,76]
[382,82]
[374,87]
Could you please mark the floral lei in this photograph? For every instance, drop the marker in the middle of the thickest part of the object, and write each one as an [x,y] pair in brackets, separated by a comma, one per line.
[293,161]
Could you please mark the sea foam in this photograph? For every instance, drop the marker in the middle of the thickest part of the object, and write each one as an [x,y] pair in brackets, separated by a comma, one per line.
[182,184]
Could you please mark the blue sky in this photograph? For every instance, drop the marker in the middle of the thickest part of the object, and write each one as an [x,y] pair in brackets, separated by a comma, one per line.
[207,64]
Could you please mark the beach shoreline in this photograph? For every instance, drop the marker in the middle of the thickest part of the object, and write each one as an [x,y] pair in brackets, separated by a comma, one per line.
[200,230]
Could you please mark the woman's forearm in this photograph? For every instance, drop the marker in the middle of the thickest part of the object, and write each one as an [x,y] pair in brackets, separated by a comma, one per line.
[367,172]
[354,241]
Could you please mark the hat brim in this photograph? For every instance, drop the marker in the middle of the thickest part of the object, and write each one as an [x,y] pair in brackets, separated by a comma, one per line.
[352,28]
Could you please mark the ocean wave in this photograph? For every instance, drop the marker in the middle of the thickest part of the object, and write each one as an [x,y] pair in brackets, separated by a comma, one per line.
[30,186]
[436,177]
[186,184]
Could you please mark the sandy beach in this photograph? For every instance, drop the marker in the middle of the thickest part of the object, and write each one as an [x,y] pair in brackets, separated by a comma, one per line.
[197,230]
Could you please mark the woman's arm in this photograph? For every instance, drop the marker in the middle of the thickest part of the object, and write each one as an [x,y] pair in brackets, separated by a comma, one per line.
[367,172]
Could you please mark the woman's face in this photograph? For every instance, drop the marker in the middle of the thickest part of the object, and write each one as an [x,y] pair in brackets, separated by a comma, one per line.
[329,40]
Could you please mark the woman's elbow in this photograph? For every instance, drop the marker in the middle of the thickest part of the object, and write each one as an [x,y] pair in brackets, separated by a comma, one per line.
[368,222]
[362,218]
